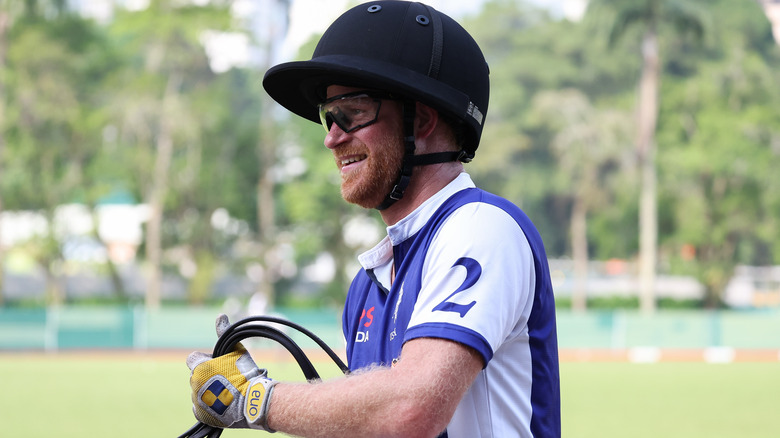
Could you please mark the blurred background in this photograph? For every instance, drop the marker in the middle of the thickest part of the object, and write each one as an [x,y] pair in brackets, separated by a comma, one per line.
[147,184]
[145,177]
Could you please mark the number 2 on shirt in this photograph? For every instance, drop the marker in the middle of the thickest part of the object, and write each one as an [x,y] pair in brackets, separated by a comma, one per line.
[473,272]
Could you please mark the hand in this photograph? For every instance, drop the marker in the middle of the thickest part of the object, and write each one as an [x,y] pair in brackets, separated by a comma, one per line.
[230,390]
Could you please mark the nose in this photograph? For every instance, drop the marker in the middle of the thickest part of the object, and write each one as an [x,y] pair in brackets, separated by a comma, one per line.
[334,137]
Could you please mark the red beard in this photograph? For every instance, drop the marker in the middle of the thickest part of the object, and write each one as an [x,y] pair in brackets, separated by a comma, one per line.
[368,185]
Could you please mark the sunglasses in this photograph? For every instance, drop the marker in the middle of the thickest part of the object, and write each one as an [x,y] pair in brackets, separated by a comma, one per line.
[351,111]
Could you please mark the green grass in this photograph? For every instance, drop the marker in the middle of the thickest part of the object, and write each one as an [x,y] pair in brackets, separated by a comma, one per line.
[148,396]
[670,400]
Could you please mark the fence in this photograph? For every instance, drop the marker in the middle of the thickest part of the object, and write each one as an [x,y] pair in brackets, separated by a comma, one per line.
[134,328]
[172,328]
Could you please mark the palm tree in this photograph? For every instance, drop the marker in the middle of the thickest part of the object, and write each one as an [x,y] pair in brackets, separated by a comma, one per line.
[269,37]
[589,143]
[648,17]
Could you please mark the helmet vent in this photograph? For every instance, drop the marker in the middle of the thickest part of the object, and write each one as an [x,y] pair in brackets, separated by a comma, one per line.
[422,19]
[374,8]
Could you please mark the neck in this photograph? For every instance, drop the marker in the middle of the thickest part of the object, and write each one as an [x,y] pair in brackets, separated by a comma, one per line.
[426,182]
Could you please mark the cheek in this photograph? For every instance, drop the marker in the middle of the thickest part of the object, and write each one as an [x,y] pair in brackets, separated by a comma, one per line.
[369,186]
[391,160]
[388,164]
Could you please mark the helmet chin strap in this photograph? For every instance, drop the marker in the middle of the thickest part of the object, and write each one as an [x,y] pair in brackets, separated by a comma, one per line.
[411,160]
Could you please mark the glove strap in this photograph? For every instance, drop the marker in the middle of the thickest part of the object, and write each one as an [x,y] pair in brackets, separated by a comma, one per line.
[258,399]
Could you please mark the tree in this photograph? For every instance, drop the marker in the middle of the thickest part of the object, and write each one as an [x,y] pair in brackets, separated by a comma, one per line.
[53,131]
[648,16]
[5,22]
[719,124]
[589,145]
[274,31]
[153,107]
[10,12]
[530,52]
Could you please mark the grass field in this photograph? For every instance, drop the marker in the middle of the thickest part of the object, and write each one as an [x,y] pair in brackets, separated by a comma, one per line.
[134,395]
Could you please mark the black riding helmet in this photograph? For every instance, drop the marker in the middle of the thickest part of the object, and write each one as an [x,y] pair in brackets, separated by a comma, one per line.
[405,48]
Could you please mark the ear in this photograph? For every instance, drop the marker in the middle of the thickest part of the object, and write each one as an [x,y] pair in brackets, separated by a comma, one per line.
[425,121]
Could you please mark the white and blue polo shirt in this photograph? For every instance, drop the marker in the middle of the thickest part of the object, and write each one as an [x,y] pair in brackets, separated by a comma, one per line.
[471,268]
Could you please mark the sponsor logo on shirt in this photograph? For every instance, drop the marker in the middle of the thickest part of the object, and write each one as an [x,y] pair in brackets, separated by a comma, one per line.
[398,301]
[362,336]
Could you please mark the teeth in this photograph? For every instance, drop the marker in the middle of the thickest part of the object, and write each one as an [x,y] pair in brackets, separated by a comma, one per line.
[351,160]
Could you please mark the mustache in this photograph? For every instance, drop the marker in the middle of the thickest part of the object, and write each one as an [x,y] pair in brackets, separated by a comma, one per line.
[350,149]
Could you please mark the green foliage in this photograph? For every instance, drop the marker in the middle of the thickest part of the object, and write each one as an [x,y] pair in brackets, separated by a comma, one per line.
[85,106]
[718,123]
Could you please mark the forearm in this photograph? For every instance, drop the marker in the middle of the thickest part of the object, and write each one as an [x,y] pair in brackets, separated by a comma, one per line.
[368,404]
[415,398]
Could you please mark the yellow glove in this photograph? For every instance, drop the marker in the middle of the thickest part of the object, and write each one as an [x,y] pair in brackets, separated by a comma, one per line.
[229,391]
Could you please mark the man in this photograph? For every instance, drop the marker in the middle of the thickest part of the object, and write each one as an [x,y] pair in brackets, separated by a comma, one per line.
[450,325]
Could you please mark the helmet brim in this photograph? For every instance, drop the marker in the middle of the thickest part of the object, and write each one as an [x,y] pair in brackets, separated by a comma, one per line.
[299,86]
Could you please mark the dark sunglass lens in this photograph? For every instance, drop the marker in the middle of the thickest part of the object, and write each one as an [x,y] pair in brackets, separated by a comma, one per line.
[337,116]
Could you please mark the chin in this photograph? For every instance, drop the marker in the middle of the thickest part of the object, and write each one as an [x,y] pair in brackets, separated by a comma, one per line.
[363,199]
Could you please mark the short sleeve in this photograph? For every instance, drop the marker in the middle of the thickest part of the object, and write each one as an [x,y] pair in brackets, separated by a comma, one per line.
[477,281]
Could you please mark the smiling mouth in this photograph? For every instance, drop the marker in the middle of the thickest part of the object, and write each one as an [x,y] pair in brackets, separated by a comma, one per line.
[352,159]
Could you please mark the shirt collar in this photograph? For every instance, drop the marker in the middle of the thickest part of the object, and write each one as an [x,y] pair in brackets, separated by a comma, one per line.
[382,253]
